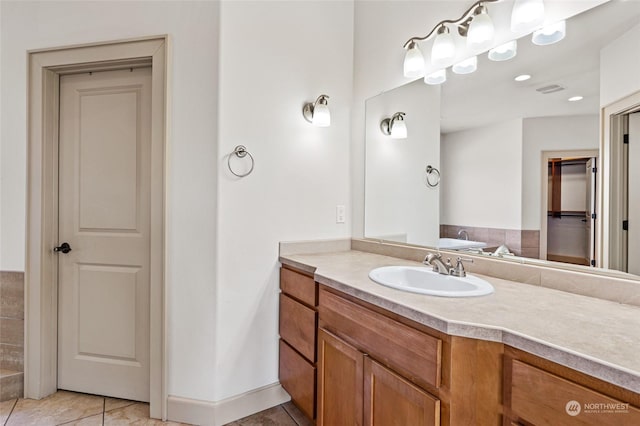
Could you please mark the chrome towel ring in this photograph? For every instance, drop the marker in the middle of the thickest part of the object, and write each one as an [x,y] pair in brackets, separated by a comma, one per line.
[240,151]
[433,176]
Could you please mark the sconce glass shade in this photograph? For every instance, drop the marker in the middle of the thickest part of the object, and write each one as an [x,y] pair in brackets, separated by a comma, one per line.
[466,66]
[526,15]
[317,113]
[550,34]
[321,115]
[437,77]
[398,128]
[504,52]
[481,31]
[444,48]
[413,62]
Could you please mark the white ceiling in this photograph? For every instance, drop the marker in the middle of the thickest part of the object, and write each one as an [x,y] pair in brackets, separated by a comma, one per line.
[491,95]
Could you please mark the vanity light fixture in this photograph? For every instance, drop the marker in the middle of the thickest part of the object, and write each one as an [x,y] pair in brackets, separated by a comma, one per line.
[522,77]
[395,126]
[481,31]
[550,34]
[475,23]
[527,15]
[318,113]
[413,61]
[436,77]
[444,47]
[575,98]
[504,52]
[466,66]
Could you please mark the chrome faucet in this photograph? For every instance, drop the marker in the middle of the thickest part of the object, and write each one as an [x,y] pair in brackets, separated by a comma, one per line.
[463,233]
[439,266]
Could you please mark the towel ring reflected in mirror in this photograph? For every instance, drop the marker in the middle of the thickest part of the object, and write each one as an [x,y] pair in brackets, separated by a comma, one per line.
[240,151]
[433,176]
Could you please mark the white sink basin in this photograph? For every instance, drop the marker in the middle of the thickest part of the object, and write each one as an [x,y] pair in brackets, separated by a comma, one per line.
[423,280]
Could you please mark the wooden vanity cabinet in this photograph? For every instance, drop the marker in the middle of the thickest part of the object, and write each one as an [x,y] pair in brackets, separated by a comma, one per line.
[353,389]
[298,329]
[535,396]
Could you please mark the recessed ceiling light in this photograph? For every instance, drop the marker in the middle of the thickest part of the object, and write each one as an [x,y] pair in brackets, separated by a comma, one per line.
[523,77]
[575,98]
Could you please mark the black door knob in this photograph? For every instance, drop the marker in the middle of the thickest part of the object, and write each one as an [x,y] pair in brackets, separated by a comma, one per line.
[64,248]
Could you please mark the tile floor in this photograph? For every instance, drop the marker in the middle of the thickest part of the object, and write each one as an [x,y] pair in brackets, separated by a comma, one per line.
[70,408]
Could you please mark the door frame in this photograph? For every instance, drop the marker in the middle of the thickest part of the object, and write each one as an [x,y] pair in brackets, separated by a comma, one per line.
[544,188]
[610,229]
[41,272]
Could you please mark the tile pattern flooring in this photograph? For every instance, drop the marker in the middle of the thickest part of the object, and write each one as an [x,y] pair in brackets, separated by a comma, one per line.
[70,408]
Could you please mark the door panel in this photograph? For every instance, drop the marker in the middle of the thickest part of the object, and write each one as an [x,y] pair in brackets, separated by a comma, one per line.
[104,185]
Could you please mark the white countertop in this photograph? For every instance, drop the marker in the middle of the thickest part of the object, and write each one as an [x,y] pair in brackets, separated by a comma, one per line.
[597,337]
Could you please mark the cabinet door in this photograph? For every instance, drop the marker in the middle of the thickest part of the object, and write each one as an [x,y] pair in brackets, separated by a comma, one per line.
[390,400]
[340,368]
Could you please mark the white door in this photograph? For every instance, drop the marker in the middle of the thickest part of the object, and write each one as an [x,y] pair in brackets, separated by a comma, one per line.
[633,217]
[104,185]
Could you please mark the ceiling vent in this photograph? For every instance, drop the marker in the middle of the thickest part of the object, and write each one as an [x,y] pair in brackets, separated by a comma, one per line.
[550,89]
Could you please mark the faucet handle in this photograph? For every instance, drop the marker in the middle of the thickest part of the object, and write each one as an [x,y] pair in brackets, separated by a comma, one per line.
[459,271]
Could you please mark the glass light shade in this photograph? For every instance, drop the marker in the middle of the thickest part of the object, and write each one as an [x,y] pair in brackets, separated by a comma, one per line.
[413,62]
[526,15]
[504,52]
[481,31]
[550,34]
[466,66]
[437,77]
[398,129]
[321,115]
[443,50]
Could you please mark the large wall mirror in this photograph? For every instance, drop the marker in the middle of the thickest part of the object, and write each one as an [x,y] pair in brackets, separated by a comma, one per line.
[518,169]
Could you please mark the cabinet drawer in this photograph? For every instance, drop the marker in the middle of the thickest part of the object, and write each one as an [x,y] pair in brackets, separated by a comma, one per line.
[298,377]
[299,286]
[298,326]
[410,352]
[542,398]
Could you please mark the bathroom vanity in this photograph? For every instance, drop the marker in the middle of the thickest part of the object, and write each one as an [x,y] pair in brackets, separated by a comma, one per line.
[355,352]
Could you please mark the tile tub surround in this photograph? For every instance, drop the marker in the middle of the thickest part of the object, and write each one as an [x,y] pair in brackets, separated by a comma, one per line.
[11,335]
[521,242]
[597,337]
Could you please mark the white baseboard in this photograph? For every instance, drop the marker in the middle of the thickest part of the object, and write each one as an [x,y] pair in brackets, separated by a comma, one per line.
[219,413]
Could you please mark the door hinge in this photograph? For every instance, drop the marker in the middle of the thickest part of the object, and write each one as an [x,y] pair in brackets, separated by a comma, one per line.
[593,262]
[594,170]
[625,139]
[625,225]
[593,216]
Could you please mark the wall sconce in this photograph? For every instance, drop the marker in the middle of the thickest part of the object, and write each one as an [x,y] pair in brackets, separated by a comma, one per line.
[395,126]
[318,113]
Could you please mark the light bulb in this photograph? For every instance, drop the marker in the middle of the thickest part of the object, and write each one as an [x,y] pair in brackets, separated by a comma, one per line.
[550,34]
[321,115]
[398,129]
[526,15]
[504,52]
[466,66]
[437,77]
[480,33]
[413,61]
[444,48]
